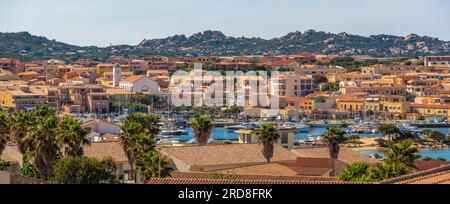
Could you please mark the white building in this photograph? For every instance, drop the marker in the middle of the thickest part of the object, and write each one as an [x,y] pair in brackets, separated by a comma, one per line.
[140,83]
[437,61]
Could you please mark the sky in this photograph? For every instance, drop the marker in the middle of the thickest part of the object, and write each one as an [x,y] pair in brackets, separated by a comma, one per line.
[101,22]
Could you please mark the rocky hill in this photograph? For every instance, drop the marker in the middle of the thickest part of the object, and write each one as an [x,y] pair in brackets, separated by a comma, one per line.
[26,47]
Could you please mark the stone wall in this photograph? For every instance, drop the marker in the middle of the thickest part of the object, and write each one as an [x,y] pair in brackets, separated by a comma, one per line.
[14,178]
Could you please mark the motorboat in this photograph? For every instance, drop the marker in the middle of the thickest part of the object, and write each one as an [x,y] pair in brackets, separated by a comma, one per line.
[177,131]
[298,127]
[362,128]
[407,127]
[193,141]
[243,126]
[303,128]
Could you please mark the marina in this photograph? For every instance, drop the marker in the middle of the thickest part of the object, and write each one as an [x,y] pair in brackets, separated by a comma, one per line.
[305,133]
[435,153]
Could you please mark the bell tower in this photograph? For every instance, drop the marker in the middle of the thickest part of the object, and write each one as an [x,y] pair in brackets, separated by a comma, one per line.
[117,74]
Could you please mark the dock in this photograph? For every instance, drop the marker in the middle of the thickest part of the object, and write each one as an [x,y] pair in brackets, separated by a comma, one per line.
[431,125]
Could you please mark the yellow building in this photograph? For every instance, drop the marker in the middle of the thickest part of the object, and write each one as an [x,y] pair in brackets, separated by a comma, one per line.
[394,107]
[52,94]
[106,82]
[247,136]
[432,110]
[22,98]
[351,104]
[102,68]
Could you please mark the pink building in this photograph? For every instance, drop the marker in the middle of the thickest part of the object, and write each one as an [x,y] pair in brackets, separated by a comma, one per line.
[12,65]
[98,103]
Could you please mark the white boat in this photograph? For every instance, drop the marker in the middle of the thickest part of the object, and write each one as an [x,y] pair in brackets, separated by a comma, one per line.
[193,141]
[243,126]
[407,127]
[174,132]
[298,127]
[303,128]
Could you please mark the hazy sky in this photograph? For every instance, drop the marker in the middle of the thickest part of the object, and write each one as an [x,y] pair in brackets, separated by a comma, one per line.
[99,22]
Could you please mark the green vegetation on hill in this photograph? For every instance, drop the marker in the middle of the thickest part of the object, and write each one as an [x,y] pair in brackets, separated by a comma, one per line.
[26,47]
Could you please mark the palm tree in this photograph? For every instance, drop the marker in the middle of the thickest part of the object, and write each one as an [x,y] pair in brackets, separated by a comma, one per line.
[72,135]
[43,112]
[268,135]
[332,137]
[19,124]
[356,172]
[402,152]
[152,127]
[4,131]
[387,171]
[149,124]
[43,145]
[135,142]
[153,165]
[202,127]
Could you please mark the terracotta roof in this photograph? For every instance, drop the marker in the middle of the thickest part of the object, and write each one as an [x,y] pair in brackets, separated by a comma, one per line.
[436,106]
[439,175]
[346,155]
[226,154]
[28,73]
[241,182]
[283,63]
[352,100]
[104,150]
[317,171]
[272,169]
[6,61]
[133,78]
[203,175]
[158,71]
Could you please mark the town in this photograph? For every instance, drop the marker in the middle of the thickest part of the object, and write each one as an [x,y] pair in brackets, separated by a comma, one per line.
[338,119]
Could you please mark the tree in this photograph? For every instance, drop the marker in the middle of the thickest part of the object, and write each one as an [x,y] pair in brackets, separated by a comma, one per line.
[401,153]
[232,111]
[4,131]
[4,165]
[148,124]
[387,171]
[268,135]
[153,165]
[139,72]
[333,137]
[333,87]
[389,130]
[19,125]
[434,135]
[133,138]
[356,172]
[27,168]
[84,170]
[72,135]
[202,127]
[43,145]
[319,78]
[354,139]
[399,161]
